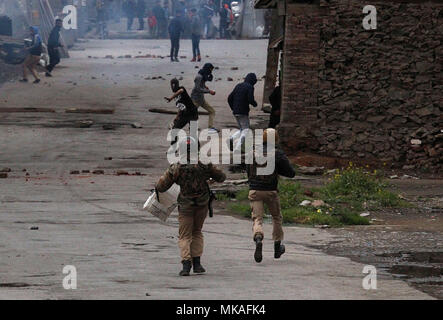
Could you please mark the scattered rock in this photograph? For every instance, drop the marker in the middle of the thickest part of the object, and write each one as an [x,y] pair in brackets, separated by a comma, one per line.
[3,175]
[230,79]
[86,171]
[108,158]
[364,214]
[136,125]
[6,170]
[121,173]
[74,172]
[234,68]
[98,172]
[318,203]
[33,228]
[311,170]
[109,127]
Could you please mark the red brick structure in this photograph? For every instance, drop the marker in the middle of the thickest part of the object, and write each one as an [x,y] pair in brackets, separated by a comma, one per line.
[373,94]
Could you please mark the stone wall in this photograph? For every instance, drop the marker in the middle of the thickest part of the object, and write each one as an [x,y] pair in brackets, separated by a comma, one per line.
[376,94]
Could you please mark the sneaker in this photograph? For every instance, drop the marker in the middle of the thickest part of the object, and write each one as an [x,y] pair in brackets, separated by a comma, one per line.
[23,80]
[48,74]
[193,59]
[37,80]
[199,58]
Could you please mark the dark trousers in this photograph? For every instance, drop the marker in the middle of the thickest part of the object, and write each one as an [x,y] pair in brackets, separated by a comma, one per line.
[130,22]
[195,45]
[223,31]
[54,58]
[175,46]
[141,23]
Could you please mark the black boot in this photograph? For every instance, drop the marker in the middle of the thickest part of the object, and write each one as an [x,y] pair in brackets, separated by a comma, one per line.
[279,249]
[187,264]
[196,266]
[258,255]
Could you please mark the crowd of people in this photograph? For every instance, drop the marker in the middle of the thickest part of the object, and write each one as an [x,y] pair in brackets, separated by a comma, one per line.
[194,200]
[158,15]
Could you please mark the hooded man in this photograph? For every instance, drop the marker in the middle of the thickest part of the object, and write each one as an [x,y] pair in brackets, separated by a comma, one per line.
[239,100]
[187,111]
[53,45]
[35,52]
[199,91]
[263,191]
[193,202]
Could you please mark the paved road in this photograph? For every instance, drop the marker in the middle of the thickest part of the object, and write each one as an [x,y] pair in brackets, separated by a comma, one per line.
[94,222]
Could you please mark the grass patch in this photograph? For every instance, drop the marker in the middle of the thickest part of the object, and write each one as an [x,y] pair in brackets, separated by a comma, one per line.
[346,194]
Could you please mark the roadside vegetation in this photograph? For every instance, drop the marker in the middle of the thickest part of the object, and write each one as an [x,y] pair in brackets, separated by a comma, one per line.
[344,199]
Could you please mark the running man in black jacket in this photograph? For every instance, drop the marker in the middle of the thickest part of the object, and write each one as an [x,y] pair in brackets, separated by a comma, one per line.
[53,45]
[263,190]
[239,100]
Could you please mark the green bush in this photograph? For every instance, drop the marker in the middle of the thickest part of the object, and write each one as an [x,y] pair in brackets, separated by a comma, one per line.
[346,195]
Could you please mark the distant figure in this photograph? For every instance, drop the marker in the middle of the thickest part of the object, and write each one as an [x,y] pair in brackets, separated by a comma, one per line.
[207,12]
[53,45]
[196,30]
[162,22]
[175,31]
[153,25]
[130,7]
[141,10]
[223,22]
[35,52]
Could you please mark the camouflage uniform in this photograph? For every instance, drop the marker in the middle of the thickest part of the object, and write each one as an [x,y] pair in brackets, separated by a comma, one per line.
[192,202]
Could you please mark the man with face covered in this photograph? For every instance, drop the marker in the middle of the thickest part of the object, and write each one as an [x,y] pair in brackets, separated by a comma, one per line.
[187,111]
[199,91]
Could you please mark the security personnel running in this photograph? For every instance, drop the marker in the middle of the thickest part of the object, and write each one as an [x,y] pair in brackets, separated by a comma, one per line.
[263,191]
[193,203]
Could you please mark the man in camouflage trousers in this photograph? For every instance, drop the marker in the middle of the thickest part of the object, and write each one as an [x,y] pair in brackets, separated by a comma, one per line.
[193,202]
[263,191]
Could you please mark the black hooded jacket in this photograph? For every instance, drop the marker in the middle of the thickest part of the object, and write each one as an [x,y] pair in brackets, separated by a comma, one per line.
[243,95]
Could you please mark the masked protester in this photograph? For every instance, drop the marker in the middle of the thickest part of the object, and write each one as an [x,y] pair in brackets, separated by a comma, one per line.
[263,191]
[239,100]
[35,52]
[187,111]
[193,202]
[53,45]
[199,91]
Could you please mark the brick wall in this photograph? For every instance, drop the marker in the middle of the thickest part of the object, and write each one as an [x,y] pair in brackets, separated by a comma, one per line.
[349,92]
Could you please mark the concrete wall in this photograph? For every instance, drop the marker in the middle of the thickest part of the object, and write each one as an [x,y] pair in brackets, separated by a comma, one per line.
[349,92]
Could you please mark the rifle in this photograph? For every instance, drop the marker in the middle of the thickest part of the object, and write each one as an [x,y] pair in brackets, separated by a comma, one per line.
[212,197]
